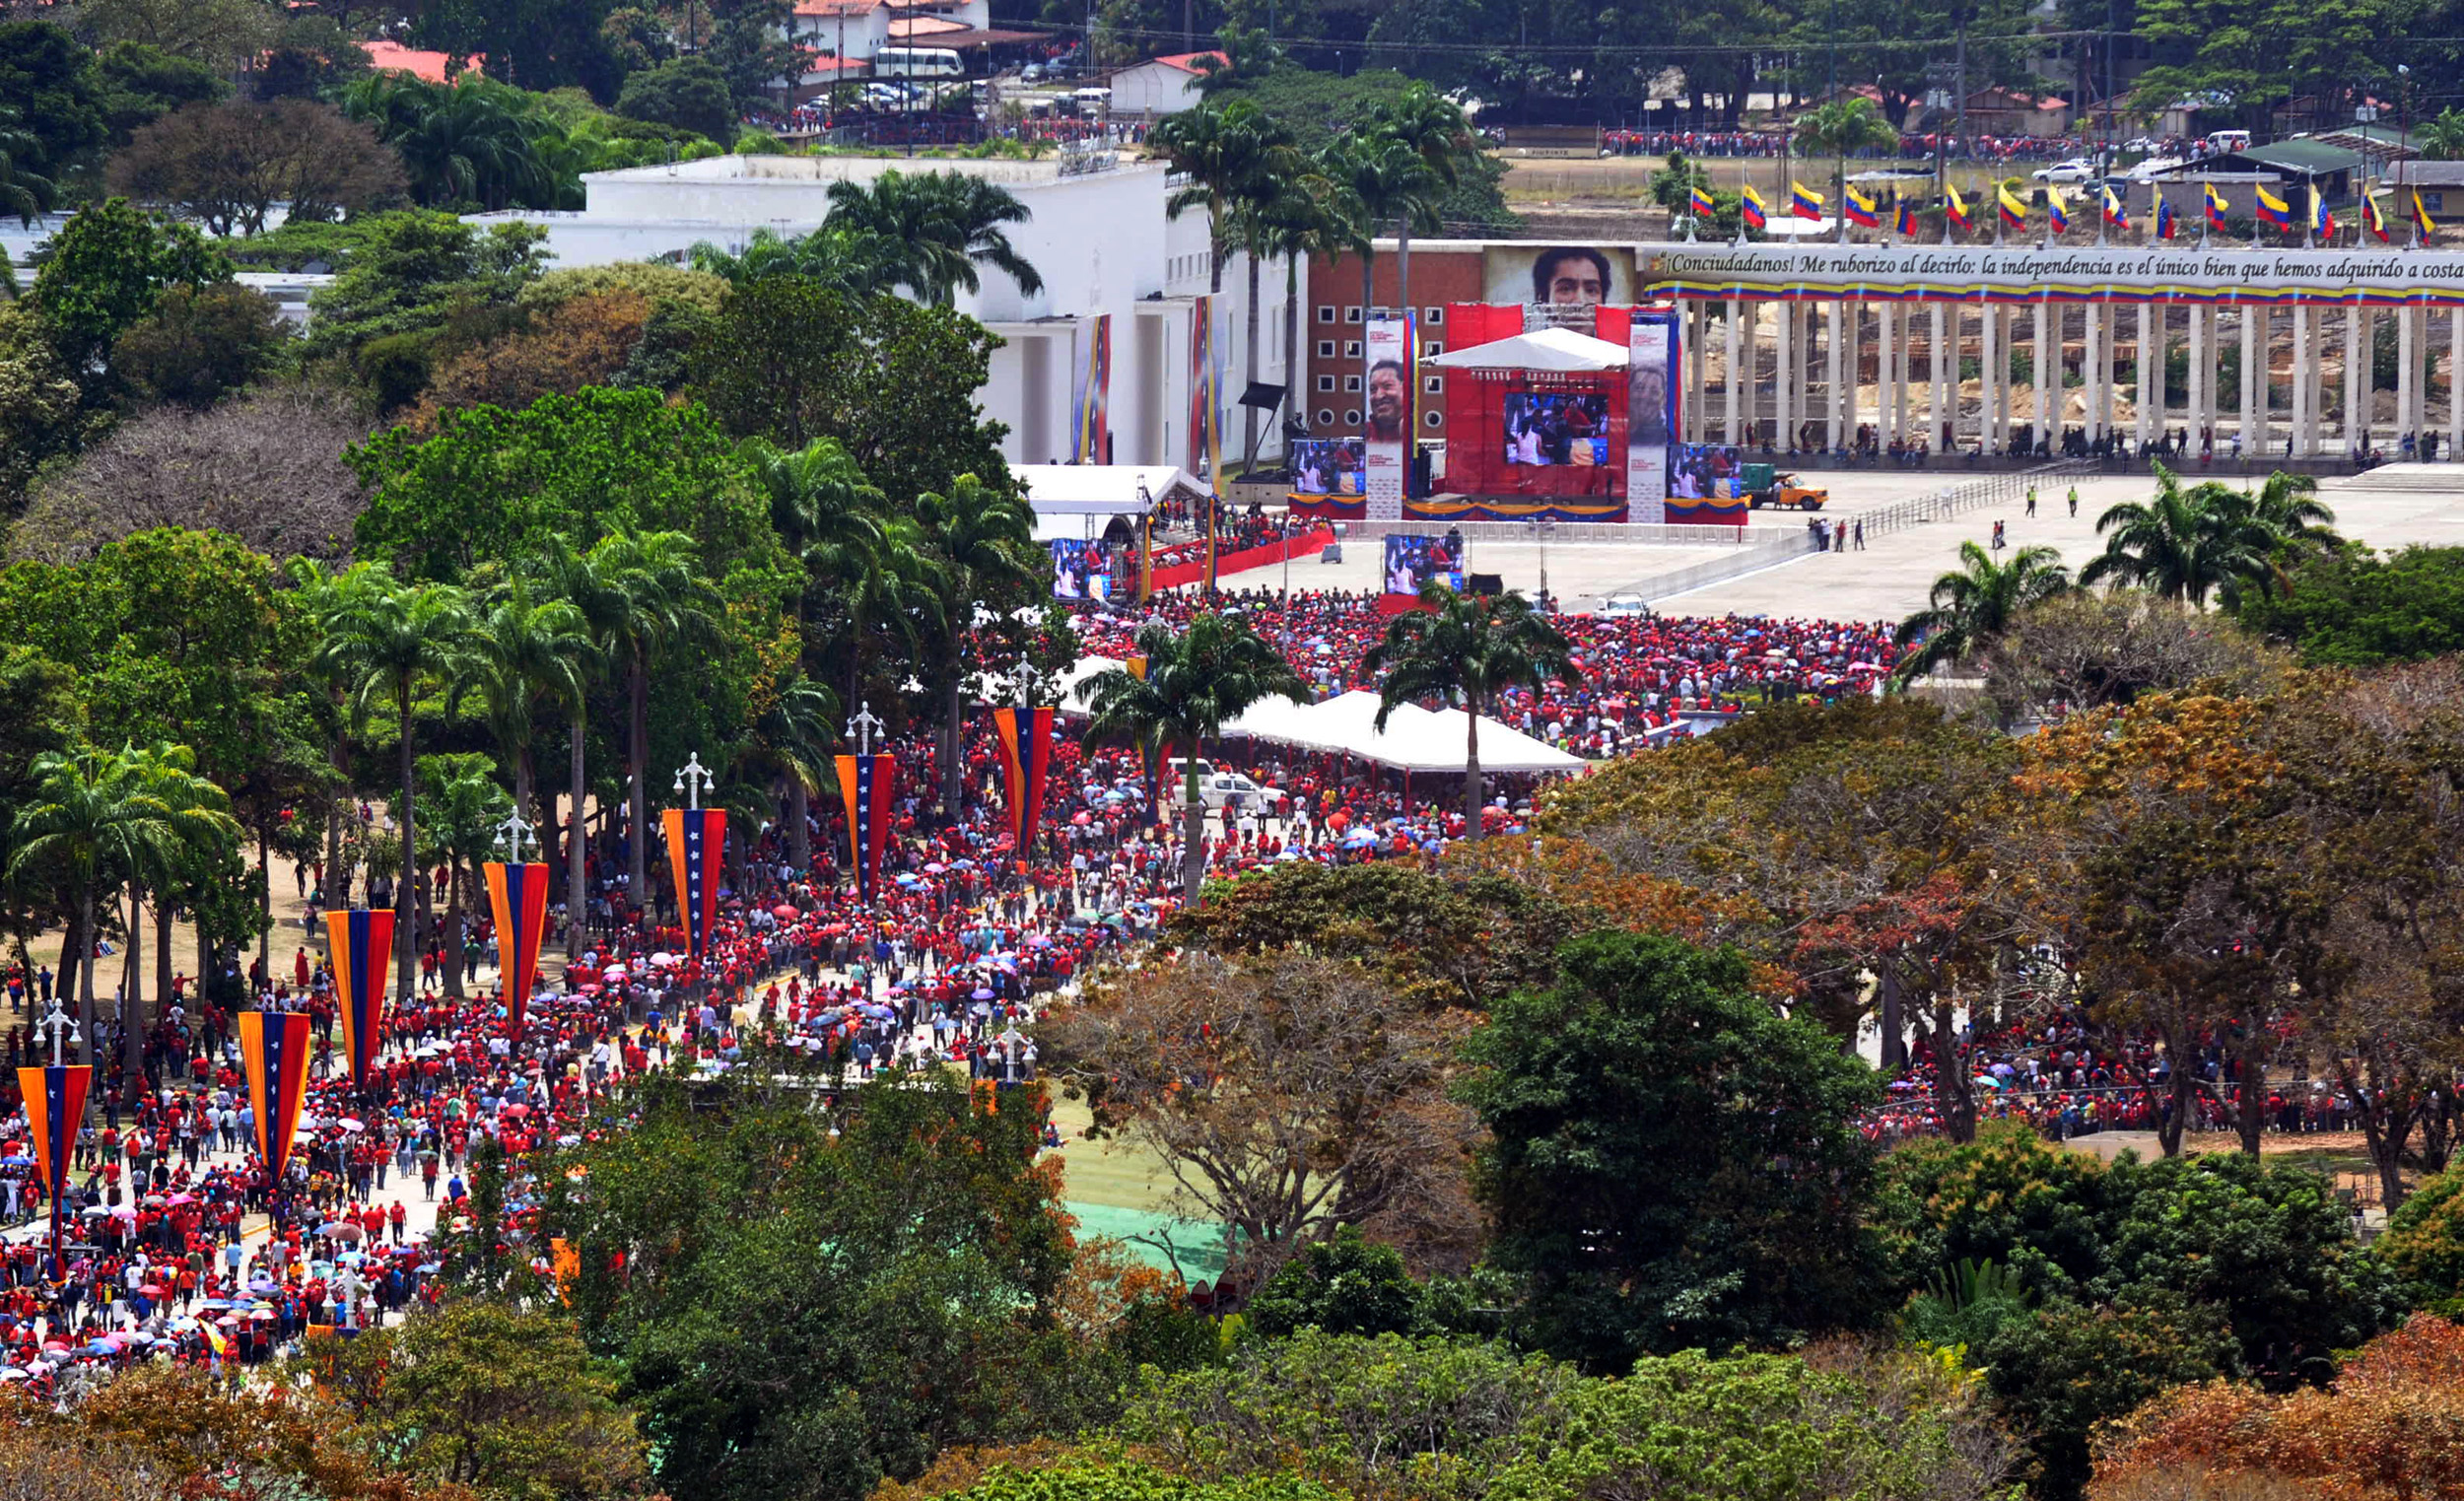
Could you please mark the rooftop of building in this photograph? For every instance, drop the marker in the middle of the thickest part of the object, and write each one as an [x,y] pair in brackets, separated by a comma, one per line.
[786,173]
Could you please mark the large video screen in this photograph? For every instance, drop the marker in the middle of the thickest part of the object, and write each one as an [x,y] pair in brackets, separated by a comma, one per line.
[1413,561]
[1329,465]
[1706,471]
[1556,428]
[1082,569]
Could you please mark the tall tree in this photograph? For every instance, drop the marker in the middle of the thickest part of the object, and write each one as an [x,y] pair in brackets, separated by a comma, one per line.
[1196,679]
[656,597]
[1467,649]
[391,642]
[982,539]
[949,223]
[527,650]
[1970,611]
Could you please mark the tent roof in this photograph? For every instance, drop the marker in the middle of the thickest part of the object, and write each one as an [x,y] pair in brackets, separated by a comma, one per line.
[1502,747]
[1099,488]
[1550,349]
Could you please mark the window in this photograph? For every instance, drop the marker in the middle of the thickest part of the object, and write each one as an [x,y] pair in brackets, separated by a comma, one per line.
[1325,312]
[1351,349]
[1435,317]
[1351,314]
[1351,382]
[1432,419]
[1326,383]
[1430,348]
[2433,202]
[1326,415]
[1351,417]
[1325,349]
[1433,384]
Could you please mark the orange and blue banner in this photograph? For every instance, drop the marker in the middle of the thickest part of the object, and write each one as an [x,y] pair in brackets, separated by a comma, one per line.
[866,784]
[274,1055]
[55,1105]
[1026,761]
[362,944]
[518,896]
[696,852]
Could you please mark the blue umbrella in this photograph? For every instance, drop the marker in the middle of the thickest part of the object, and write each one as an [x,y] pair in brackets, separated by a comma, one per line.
[17,1161]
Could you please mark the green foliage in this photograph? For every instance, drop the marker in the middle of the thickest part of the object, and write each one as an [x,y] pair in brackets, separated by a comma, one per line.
[59,96]
[655,282]
[200,344]
[312,60]
[689,94]
[141,84]
[2072,1366]
[894,381]
[473,142]
[495,485]
[531,43]
[1375,1416]
[1445,939]
[107,268]
[801,1310]
[2424,1238]
[1320,108]
[300,247]
[1129,1481]
[2008,1200]
[505,1401]
[1347,1284]
[1672,1164]
[1966,1307]
[39,403]
[408,273]
[2352,607]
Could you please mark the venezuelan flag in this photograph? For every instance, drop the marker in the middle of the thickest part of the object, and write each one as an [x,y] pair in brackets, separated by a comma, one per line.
[2113,214]
[2420,216]
[1862,210]
[1750,204]
[1802,203]
[2057,212]
[1908,218]
[1698,203]
[2274,210]
[2014,211]
[1957,210]
[2164,218]
[2321,221]
[2215,209]
[2372,220]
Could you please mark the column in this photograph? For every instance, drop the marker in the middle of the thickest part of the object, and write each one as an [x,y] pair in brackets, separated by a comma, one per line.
[2151,414]
[2299,431]
[1936,403]
[2195,384]
[1730,380]
[2357,364]
[2092,366]
[2006,331]
[1784,375]
[1854,377]
[1902,366]
[2455,381]
[2047,358]
[2253,379]
[2408,381]
[1834,313]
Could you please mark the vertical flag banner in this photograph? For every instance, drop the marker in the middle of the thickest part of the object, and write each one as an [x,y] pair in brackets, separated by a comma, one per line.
[274,1053]
[2164,218]
[363,953]
[1092,413]
[55,1102]
[1026,759]
[518,896]
[697,849]
[1756,214]
[864,787]
[1651,363]
[1205,415]
[1388,428]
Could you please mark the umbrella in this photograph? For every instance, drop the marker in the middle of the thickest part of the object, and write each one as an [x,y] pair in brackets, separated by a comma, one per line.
[980,993]
[151,1289]
[784,913]
[515,1111]
[353,1127]
[663,960]
[17,1160]
[335,1227]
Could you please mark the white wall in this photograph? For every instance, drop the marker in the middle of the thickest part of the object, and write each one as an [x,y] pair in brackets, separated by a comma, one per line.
[1151,88]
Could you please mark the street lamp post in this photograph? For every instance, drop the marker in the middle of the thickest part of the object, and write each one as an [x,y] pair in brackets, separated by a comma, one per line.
[692,779]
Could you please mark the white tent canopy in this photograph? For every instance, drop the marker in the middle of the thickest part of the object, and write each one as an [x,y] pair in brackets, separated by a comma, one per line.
[1107,490]
[1502,747]
[1560,351]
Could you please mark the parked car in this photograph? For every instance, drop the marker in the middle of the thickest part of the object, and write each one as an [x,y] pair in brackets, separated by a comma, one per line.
[2073,169]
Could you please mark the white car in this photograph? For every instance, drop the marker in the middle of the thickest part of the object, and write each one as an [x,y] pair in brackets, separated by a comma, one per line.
[1223,790]
[2075,170]
[1624,604]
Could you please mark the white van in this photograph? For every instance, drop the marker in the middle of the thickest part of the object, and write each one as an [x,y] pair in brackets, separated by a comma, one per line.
[2220,141]
[1231,789]
[916,62]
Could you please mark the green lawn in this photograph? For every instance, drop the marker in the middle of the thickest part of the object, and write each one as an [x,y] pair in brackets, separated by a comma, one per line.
[1124,1192]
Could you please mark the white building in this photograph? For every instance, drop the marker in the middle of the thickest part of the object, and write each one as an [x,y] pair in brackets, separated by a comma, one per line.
[1158,87]
[1099,239]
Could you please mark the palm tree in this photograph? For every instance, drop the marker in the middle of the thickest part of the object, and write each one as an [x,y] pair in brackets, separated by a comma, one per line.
[322,598]
[853,262]
[395,640]
[983,542]
[472,140]
[1850,123]
[949,224]
[829,515]
[1467,650]
[1971,610]
[1298,219]
[1433,130]
[527,650]
[1231,155]
[1384,178]
[464,807]
[203,830]
[1196,679]
[898,597]
[789,743]
[2186,543]
[23,192]
[2442,137]
[584,582]
[100,815]
[658,597]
